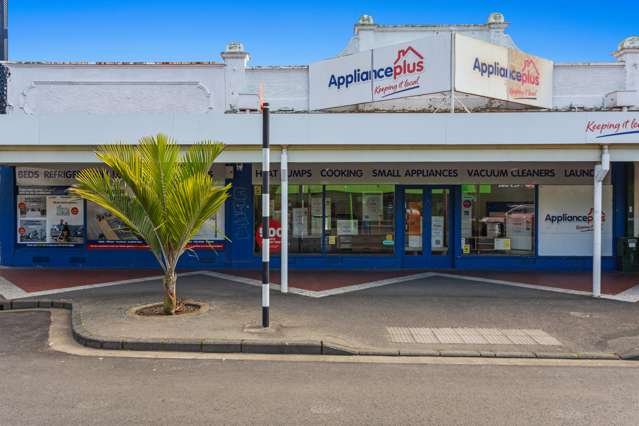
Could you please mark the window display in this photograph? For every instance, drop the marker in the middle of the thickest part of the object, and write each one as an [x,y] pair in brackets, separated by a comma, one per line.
[350,218]
[304,221]
[104,230]
[47,216]
[498,219]
[362,219]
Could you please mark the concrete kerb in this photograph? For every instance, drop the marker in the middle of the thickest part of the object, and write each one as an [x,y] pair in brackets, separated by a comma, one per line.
[262,346]
[630,355]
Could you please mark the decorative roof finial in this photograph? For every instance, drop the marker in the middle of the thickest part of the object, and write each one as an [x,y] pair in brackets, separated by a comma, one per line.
[366,20]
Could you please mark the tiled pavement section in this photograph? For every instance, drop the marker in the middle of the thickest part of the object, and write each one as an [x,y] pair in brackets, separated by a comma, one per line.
[471,336]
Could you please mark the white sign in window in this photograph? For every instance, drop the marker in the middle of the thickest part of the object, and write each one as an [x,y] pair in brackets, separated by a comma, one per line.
[566,220]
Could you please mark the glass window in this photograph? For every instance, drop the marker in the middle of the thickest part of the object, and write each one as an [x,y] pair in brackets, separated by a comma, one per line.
[360,218]
[439,222]
[414,200]
[304,217]
[498,219]
[48,216]
[275,215]
[107,231]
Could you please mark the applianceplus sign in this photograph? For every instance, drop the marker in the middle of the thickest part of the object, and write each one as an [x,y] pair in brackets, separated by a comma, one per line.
[554,218]
[401,67]
[527,75]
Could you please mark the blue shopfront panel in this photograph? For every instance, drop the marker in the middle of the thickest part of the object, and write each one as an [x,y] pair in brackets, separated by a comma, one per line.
[240,229]
[81,256]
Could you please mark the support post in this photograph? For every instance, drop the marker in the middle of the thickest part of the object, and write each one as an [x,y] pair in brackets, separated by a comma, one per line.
[284,209]
[601,170]
[265,215]
[596,235]
[452,73]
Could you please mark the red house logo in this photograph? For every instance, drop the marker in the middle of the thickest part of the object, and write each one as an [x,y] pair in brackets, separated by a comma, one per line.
[408,61]
[530,73]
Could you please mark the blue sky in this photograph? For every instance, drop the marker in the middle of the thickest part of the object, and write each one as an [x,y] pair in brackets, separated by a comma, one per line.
[288,32]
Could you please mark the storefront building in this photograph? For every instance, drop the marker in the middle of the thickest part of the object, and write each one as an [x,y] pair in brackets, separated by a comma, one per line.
[418,147]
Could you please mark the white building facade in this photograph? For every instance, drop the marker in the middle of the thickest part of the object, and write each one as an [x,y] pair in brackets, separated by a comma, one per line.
[416,146]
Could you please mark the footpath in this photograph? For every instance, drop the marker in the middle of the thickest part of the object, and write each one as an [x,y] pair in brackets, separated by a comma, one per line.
[417,315]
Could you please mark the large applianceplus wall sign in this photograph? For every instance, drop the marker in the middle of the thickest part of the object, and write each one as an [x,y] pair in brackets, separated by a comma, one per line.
[498,72]
[408,69]
[566,221]
[415,68]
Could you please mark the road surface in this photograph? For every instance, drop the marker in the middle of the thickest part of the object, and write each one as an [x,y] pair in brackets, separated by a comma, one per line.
[41,386]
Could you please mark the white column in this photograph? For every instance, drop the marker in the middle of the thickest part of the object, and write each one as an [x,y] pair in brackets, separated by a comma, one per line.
[284,209]
[601,170]
[596,235]
[452,73]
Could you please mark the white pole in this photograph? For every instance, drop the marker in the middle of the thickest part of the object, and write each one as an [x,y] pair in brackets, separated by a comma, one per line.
[284,209]
[596,235]
[452,73]
[601,170]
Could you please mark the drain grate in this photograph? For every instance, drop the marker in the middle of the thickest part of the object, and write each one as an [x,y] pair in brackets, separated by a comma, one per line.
[471,336]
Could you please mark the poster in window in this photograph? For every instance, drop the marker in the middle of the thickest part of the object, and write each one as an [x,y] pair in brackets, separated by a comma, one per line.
[316,206]
[467,215]
[372,207]
[65,219]
[105,230]
[103,226]
[503,244]
[212,229]
[316,226]
[32,231]
[347,227]
[32,219]
[437,232]
[300,222]
[32,206]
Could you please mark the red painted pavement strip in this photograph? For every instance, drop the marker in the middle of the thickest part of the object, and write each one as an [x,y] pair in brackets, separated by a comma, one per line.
[611,282]
[32,280]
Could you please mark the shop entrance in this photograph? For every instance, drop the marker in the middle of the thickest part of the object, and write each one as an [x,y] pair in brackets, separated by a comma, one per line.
[427,227]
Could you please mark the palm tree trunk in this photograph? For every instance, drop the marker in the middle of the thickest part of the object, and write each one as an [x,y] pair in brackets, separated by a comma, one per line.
[170,297]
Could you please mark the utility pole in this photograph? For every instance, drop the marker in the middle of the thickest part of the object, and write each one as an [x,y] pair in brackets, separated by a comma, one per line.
[265,214]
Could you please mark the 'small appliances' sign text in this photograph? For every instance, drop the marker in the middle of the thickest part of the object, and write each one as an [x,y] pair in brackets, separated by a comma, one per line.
[498,72]
[408,69]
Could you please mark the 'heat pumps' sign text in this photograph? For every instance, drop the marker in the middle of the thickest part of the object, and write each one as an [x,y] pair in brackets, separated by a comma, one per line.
[498,72]
[408,69]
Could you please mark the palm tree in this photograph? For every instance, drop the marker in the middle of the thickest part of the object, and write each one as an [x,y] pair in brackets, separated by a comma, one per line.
[162,194]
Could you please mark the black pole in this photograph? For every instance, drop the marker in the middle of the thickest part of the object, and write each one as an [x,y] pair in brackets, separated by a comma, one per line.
[265,214]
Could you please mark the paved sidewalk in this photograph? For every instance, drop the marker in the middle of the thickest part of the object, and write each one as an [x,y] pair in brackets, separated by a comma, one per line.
[506,319]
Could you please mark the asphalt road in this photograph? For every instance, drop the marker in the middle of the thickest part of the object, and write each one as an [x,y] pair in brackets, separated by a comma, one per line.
[40,386]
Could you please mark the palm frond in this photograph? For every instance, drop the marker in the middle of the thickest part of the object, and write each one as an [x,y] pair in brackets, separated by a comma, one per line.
[163,196]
